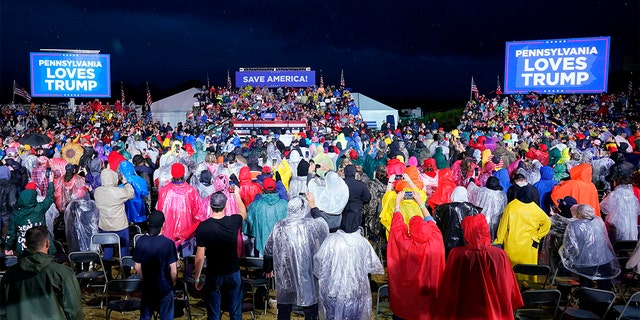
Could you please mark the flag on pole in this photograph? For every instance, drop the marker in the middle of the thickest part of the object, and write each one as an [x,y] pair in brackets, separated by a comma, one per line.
[474,89]
[321,80]
[208,83]
[229,84]
[342,83]
[498,87]
[122,100]
[630,87]
[149,101]
[21,92]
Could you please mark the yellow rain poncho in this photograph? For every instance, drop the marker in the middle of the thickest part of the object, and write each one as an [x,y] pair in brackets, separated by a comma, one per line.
[408,209]
[522,226]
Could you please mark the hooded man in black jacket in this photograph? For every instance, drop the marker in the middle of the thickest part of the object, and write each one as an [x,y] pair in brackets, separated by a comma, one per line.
[358,195]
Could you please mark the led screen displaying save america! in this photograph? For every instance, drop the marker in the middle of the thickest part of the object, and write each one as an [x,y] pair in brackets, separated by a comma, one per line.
[70,75]
[578,65]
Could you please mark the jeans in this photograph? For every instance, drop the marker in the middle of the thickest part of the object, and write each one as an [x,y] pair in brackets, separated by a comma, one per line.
[164,307]
[229,286]
[107,251]
[310,312]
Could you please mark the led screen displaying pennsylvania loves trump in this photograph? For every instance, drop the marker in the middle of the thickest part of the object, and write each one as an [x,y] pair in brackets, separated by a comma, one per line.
[70,75]
[577,65]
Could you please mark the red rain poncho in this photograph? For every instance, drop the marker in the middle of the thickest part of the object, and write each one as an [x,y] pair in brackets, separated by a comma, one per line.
[415,262]
[478,281]
[180,203]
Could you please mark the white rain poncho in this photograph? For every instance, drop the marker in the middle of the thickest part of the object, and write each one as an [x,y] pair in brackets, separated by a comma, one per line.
[81,221]
[587,251]
[331,193]
[621,207]
[51,214]
[292,244]
[492,203]
[297,186]
[342,266]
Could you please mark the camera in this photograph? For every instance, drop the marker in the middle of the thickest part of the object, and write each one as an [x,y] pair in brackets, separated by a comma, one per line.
[399,177]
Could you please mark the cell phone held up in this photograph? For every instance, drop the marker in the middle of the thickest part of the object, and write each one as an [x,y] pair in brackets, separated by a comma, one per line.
[408,195]
[232,189]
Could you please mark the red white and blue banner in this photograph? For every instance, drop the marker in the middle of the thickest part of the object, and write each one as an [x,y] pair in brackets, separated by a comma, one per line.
[264,127]
[276,78]
[578,65]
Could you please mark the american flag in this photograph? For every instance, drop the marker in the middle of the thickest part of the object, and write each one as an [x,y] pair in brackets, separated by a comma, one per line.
[321,80]
[498,88]
[342,83]
[122,100]
[474,89]
[21,92]
[149,101]
[229,84]
[630,87]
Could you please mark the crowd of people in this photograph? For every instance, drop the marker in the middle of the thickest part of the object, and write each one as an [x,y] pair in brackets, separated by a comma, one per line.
[523,179]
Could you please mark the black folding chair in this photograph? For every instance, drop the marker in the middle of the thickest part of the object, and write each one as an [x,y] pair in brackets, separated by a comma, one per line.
[382,302]
[536,271]
[629,311]
[539,304]
[592,304]
[118,296]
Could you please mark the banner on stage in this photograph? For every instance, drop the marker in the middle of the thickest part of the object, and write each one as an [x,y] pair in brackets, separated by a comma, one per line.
[276,78]
[70,75]
[577,65]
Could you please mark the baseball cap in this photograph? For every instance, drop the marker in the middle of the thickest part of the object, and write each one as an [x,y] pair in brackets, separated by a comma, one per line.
[269,184]
[567,202]
[156,221]
[218,201]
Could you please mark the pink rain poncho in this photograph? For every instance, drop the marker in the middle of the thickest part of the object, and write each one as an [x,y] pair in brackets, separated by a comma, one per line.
[180,203]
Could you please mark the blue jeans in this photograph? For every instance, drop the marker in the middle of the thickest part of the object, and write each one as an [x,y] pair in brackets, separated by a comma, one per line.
[107,251]
[164,307]
[230,286]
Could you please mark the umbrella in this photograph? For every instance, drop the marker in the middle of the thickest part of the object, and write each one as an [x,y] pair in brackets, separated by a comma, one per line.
[72,152]
[34,139]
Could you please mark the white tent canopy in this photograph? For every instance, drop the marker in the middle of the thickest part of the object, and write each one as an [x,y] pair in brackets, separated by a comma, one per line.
[373,112]
[174,108]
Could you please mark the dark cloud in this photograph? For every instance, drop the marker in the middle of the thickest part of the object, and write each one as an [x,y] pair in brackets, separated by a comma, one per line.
[407,49]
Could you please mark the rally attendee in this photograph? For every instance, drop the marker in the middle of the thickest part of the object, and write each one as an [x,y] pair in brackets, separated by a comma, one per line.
[218,236]
[289,253]
[342,265]
[622,209]
[415,262]
[580,187]
[478,280]
[155,261]
[263,214]
[110,200]
[586,249]
[28,213]
[38,287]
[449,217]
[179,202]
[522,227]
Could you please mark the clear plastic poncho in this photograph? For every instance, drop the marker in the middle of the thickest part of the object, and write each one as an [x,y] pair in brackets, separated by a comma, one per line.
[587,251]
[621,207]
[51,214]
[492,203]
[331,193]
[292,244]
[81,221]
[203,189]
[342,266]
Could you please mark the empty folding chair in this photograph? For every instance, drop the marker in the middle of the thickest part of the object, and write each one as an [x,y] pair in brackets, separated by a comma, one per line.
[539,275]
[113,240]
[629,311]
[539,304]
[592,304]
[382,302]
[118,296]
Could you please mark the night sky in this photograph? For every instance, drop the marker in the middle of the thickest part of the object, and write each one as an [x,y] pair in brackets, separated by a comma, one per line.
[404,53]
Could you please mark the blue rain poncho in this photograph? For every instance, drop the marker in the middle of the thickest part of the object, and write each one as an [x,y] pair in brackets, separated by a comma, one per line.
[135,207]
